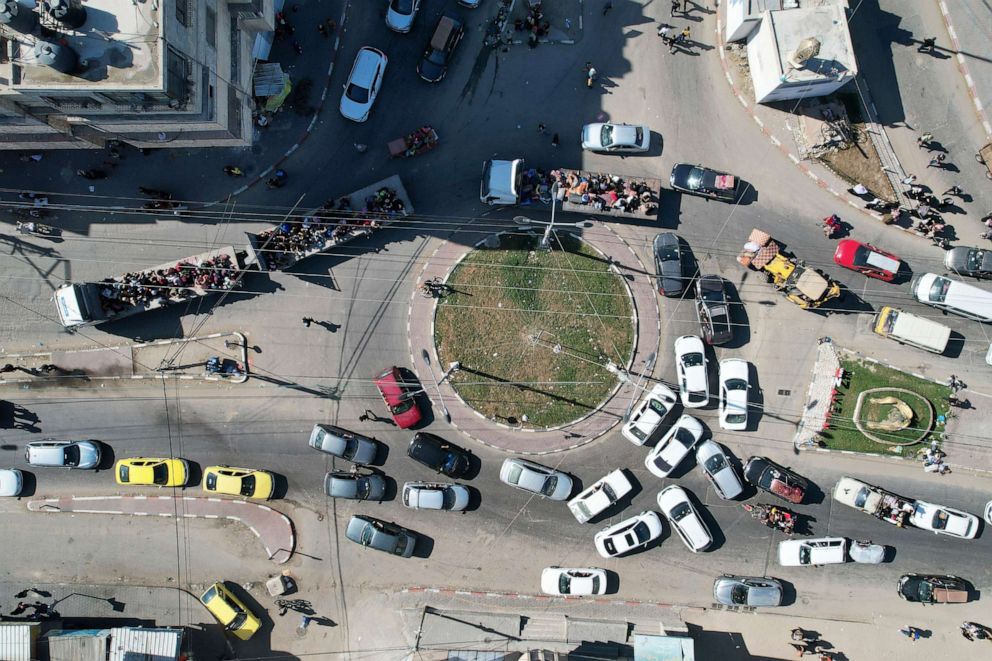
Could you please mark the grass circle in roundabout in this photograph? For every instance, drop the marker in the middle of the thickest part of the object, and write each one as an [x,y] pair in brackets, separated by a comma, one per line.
[533,330]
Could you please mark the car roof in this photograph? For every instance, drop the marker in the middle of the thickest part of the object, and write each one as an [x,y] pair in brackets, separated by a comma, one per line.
[447,24]
[366,62]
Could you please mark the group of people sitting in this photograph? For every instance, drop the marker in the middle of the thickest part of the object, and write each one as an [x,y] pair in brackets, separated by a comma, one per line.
[172,284]
[606,191]
[291,240]
[534,24]
[420,140]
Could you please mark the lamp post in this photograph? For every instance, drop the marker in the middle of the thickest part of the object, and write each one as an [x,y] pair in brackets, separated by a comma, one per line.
[452,367]
[545,243]
[648,365]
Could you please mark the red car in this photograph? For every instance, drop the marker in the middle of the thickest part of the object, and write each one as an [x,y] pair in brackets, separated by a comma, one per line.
[399,397]
[867,259]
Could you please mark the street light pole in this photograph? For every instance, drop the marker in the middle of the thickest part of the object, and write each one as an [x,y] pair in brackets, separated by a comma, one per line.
[437,384]
[545,243]
[648,365]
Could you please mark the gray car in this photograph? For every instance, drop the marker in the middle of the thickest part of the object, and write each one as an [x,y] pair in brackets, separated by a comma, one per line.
[747,591]
[63,454]
[345,484]
[668,264]
[713,310]
[969,261]
[381,535]
[535,478]
[344,444]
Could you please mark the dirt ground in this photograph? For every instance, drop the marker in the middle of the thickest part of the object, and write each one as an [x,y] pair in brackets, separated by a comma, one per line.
[861,164]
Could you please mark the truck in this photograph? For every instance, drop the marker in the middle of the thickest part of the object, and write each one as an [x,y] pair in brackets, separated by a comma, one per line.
[876,501]
[801,284]
[82,303]
[512,182]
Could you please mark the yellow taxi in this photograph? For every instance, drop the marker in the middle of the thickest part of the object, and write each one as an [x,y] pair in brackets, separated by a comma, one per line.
[230,612]
[152,471]
[246,482]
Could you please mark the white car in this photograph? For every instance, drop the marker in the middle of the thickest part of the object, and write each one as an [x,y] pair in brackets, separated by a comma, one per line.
[807,552]
[623,138]
[690,363]
[674,446]
[717,467]
[684,517]
[734,388]
[435,496]
[600,496]
[629,534]
[11,482]
[63,454]
[363,83]
[400,15]
[535,478]
[944,520]
[649,414]
[576,581]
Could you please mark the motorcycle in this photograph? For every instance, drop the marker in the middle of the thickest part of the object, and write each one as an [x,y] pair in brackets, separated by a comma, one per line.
[773,516]
[37,229]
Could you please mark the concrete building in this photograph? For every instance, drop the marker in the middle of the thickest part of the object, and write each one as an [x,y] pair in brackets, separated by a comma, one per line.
[777,31]
[151,73]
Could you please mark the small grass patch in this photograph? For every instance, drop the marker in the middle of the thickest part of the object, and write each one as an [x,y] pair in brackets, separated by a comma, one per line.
[533,330]
[843,435]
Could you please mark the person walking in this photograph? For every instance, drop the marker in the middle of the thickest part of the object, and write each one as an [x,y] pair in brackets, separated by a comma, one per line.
[924,140]
[542,129]
[663,31]
[910,632]
[954,190]
[928,45]
[675,7]
[934,162]
[307,321]
[908,180]
[590,76]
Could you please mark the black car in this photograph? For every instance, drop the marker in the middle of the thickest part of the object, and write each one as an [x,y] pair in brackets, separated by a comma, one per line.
[933,589]
[668,264]
[775,479]
[435,452]
[697,180]
[969,261]
[713,310]
[434,64]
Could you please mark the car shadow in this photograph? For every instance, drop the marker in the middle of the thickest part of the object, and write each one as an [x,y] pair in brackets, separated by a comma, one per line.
[107,456]
[749,194]
[669,209]
[474,466]
[688,462]
[847,303]
[739,321]
[955,345]
[814,494]
[381,454]
[755,398]
[474,499]
[719,539]
[424,547]
[29,484]
[612,581]
[903,275]
[280,486]
[195,477]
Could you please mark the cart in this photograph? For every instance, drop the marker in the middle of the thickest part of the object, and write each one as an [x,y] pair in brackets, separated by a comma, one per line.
[419,141]
[984,156]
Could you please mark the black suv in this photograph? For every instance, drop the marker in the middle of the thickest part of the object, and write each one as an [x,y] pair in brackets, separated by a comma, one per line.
[434,64]
[435,452]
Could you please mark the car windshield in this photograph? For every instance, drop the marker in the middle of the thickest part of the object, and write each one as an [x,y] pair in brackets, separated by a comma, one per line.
[514,475]
[685,437]
[400,544]
[363,487]
[975,258]
[564,583]
[658,406]
[668,253]
[582,507]
[861,256]
[403,406]
[638,432]
[736,384]
[367,532]
[804,555]
[606,135]
[695,179]
[448,498]
[211,481]
[350,448]
[940,520]
[693,359]
[713,295]
[680,511]
[160,474]
[738,594]
[247,485]
[238,620]
[549,485]
[938,290]
[715,464]
[357,93]
[641,532]
[609,492]
[71,455]
[926,591]
[402,6]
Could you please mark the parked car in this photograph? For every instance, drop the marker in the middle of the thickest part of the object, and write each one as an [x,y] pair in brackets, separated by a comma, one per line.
[751,591]
[717,467]
[152,471]
[629,534]
[932,589]
[690,365]
[63,454]
[734,387]
[11,482]
[675,504]
[674,446]
[975,262]
[399,397]
[400,15]
[438,454]
[435,496]
[579,581]
[649,414]
[363,83]
[712,184]
[535,478]
[354,486]
[610,137]
[867,259]
[230,611]
[668,264]
[712,310]
[944,520]
[812,552]
[775,479]
[381,535]
[246,482]
[600,496]
[446,36]
[344,444]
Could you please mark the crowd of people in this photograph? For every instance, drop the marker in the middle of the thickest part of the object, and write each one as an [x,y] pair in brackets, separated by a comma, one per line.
[606,192]
[289,241]
[168,285]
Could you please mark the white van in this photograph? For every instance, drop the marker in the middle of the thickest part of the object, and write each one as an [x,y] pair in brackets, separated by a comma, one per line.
[953,296]
[810,552]
[910,329]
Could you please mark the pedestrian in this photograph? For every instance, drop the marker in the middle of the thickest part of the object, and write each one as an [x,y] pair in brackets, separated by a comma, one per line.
[675,6]
[554,140]
[307,321]
[607,7]
[542,129]
[859,190]
[910,632]
[590,76]
[663,31]
[953,190]
[798,634]
[322,29]
[686,34]
[908,180]
[924,140]
[934,162]
[928,45]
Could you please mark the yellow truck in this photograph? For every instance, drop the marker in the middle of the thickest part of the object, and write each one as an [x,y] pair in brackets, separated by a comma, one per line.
[801,284]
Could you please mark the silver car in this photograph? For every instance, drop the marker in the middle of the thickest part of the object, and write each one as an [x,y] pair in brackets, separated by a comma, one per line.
[621,138]
[381,535]
[535,478]
[344,444]
[717,467]
[732,590]
[11,482]
[63,454]
[353,486]
[435,496]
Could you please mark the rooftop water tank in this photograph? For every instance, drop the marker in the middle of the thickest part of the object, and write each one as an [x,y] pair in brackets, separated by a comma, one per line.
[18,15]
[69,13]
[59,57]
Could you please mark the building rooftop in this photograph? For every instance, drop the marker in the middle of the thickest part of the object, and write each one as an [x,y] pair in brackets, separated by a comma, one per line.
[118,47]
[826,23]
